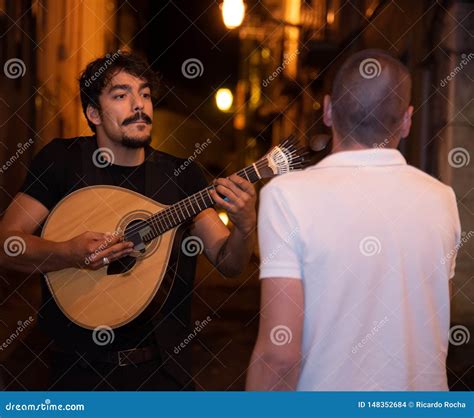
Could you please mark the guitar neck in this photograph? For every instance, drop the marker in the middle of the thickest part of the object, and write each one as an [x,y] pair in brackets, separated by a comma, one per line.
[189,207]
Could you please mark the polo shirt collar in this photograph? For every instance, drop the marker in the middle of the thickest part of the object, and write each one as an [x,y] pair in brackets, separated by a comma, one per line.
[369,157]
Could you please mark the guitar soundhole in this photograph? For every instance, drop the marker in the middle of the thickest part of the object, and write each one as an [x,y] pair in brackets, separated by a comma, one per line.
[124,264]
[121,265]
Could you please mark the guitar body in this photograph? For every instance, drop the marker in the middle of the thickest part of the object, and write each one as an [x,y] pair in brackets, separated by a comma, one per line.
[117,293]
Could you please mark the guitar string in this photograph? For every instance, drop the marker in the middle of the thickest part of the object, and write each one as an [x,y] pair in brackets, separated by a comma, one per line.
[186,203]
[167,214]
[170,213]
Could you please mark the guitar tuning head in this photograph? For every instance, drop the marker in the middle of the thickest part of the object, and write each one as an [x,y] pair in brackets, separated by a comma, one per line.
[289,155]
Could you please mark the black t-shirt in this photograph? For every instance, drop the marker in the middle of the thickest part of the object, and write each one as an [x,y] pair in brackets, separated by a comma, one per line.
[58,170]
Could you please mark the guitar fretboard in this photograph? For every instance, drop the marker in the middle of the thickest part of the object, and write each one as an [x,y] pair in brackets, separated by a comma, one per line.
[189,207]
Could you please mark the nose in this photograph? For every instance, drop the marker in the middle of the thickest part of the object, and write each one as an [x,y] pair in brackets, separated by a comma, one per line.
[137,103]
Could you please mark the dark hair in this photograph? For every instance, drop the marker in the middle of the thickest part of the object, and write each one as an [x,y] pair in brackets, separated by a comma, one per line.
[99,72]
[371,92]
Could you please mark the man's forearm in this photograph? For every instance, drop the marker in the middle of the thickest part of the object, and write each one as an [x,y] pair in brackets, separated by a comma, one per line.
[28,253]
[235,252]
[267,373]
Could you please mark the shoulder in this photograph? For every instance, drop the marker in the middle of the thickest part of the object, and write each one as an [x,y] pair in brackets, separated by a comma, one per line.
[428,182]
[160,157]
[66,145]
[286,183]
[175,164]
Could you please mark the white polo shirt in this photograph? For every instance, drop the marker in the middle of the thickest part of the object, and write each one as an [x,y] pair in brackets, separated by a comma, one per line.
[374,241]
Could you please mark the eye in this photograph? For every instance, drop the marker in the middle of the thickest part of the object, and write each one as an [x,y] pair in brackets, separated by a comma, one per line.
[119,96]
[147,95]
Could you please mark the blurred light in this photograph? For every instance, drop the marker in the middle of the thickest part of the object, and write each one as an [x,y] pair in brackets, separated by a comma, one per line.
[224,218]
[265,53]
[330,17]
[233,12]
[316,105]
[224,99]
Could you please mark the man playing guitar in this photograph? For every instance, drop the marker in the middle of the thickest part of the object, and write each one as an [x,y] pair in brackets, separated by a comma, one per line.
[116,98]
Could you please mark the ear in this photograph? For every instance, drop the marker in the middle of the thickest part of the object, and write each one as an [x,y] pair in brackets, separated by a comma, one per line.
[406,122]
[327,111]
[93,115]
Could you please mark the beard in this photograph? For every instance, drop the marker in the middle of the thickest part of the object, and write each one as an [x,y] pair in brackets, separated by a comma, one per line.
[134,142]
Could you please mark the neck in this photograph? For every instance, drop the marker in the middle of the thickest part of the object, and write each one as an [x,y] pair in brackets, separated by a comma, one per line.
[122,155]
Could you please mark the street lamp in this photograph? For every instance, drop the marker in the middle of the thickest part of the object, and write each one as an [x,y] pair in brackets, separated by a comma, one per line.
[233,12]
[224,99]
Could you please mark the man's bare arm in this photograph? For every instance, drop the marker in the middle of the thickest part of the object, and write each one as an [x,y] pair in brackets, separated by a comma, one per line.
[275,361]
[22,251]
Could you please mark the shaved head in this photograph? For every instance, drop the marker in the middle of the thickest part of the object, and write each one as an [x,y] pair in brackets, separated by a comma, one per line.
[371,94]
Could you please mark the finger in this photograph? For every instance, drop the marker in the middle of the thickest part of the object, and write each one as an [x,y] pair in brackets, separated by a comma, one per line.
[110,251]
[229,185]
[108,240]
[229,194]
[219,201]
[99,261]
[243,184]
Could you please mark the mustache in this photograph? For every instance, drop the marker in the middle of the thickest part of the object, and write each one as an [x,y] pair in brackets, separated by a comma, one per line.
[142,117]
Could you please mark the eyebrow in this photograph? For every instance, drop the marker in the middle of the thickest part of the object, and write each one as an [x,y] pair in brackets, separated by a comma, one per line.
[127,87]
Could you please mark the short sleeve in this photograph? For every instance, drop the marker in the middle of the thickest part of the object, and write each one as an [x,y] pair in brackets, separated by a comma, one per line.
[44,175]
[457,231]
[279,236]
